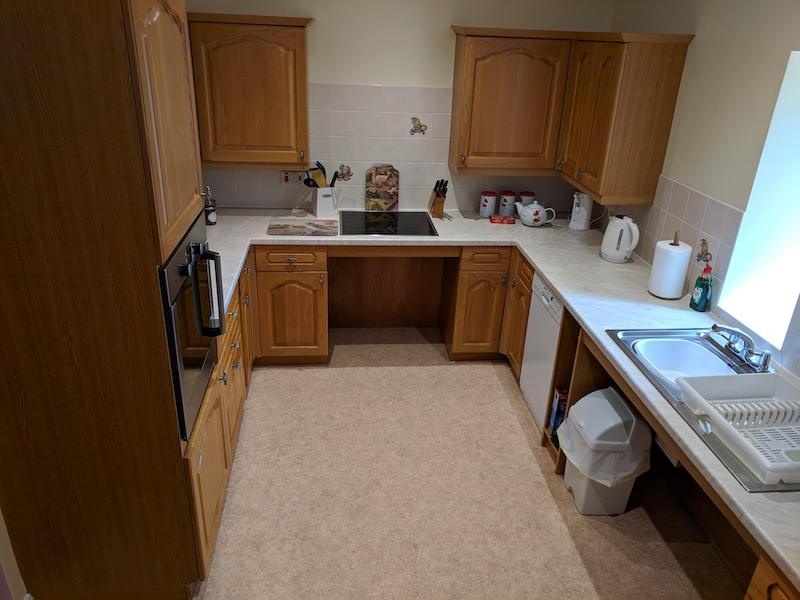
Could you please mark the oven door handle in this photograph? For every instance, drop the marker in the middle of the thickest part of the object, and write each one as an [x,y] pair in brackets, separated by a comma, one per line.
[216,323]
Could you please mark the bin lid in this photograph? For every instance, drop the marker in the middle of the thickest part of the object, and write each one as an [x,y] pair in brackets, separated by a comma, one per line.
[604,420]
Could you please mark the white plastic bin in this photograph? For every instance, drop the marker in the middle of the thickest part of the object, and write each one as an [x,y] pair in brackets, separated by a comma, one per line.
[607,446]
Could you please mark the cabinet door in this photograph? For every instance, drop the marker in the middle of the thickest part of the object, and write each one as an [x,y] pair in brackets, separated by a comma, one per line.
[515,315]
[479,311]
[592,93]
[293,313]
[512,102]
[208,466]
[251,92]
[165,81]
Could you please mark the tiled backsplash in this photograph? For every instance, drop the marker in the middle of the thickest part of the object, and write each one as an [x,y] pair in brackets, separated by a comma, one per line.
[695,216]
[360,125]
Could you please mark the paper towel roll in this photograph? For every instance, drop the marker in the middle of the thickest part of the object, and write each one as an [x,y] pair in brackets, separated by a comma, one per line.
[670,265]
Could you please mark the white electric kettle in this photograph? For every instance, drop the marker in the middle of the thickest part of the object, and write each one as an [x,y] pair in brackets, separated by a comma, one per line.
[620,239]
[534,214]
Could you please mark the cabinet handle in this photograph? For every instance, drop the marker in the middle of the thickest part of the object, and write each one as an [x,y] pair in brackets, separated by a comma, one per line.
[247,300]
[514,283]
[463,158]
[560,163]
[322,278]
[224,377]
[238,365]
[578,174]
[233,314]
[504,279]
[236,345]
[290,259]
[302,154]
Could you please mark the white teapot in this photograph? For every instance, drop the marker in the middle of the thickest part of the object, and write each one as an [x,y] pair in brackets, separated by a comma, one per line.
[534,214]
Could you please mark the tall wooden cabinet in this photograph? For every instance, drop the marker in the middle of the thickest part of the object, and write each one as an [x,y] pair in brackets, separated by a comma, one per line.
[594,108]
[252,89]
[95,493]
[507,102]
[170,126]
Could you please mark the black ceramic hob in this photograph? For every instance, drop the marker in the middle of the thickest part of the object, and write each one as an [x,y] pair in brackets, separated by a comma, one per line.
[357,222]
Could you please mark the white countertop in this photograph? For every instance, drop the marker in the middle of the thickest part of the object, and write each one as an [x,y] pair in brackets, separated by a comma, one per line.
[601,296]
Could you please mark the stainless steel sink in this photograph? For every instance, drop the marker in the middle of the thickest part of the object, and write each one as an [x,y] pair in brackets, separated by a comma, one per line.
[663,355]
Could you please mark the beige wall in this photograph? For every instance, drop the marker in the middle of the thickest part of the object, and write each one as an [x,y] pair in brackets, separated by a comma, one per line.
[730,83]
[406,42]
[9,564]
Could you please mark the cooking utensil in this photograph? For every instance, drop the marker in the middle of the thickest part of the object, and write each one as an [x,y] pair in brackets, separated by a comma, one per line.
[334,179]
[321,167]
[319,177]
[308,182]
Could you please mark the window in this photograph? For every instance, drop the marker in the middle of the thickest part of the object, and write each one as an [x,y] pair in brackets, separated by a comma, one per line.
[763,281]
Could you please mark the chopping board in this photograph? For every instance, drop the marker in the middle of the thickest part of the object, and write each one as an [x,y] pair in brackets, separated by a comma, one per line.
[316,227]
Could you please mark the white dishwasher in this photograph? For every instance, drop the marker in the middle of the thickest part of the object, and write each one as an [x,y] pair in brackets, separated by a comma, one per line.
[541,339]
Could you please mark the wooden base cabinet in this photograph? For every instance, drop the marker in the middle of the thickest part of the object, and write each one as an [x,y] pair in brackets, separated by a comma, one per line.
[515,315]
[292,289]
[768,584]
[474,315]
[208,465]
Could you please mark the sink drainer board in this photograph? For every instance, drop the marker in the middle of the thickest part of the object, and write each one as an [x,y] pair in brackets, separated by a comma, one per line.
[757,417]
[769,430]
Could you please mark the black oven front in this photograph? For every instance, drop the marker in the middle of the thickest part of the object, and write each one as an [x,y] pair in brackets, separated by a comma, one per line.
[191,286]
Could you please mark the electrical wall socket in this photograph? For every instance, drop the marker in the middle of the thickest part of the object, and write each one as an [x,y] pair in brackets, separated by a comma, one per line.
[295,177]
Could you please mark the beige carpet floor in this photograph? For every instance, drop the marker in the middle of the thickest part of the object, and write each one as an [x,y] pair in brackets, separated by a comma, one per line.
[393,473]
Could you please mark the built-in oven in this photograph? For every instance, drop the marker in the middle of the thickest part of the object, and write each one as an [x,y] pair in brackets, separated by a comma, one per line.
[191,288]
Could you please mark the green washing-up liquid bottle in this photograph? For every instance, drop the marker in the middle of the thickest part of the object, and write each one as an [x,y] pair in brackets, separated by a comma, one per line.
[701,294]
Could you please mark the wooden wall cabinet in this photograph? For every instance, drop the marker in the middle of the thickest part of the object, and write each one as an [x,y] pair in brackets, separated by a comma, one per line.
[515,314]
[292,287]
[617,117]
[595,108]
[164,73]
[252,89]
[507,101]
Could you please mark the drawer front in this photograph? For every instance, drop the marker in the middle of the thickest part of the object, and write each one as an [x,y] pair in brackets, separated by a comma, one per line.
[233,329]
[485,258]
[291,258]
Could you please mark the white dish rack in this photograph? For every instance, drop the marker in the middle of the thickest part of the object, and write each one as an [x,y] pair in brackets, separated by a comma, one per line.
[757,417]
